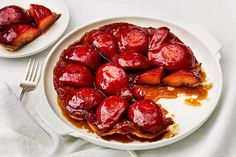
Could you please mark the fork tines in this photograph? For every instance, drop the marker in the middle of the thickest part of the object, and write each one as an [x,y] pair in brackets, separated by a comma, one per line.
[32,72]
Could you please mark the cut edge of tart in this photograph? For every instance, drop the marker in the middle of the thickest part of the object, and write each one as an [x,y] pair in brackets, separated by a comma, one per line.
[132,126]
[132,76]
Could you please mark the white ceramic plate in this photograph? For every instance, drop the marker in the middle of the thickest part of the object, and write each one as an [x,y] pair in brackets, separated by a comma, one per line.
[46,39]
[206,50]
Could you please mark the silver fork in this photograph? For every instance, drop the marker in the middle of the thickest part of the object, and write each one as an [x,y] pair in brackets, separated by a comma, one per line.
[31,77]
[29,83]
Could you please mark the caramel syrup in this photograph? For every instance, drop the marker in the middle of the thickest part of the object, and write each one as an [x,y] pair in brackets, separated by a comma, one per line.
[195,95]
[154,93]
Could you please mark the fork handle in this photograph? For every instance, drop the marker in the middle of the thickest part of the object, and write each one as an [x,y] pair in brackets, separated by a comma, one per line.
[22,94]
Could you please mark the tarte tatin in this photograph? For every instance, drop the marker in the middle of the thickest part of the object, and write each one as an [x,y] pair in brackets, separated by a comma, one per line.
[112,77]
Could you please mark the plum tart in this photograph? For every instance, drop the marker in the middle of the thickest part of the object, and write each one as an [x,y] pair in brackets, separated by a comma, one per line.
[19,26]
[112,78]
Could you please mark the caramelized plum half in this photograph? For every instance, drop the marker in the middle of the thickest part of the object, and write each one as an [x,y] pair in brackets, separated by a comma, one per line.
[80,103]
[81,53]
[133,39]
[173,57]
[84,98]
[104,43]
[159,36]
[110,111]
[43,16]
[16,36]
[74,75]
[12,14]
[187,78]
[115,28]
[112,80]
[151,77]
[132,61]
[147,115]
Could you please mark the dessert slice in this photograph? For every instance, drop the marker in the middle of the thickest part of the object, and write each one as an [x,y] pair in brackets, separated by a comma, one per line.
[43,16]
[11,15]
[187,78]
[16,36]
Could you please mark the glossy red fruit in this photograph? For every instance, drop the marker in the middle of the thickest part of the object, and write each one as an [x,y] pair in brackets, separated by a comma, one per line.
[78,110]
[110,111]
[112,80]
[189,78]
[81,53]
[12,14]
[57,72]
[104,43]
[147,115]
[75,75]
[16,36]
[159,37]
[133,39]
[173,57]
[151,77]
[80,114]
[115,28]
[84,98]
[43,16]
[132,61]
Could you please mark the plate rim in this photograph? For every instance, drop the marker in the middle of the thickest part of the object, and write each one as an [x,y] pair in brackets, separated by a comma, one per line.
[129,146]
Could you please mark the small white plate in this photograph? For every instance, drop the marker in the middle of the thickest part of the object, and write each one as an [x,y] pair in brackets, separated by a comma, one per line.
[189,119]
[45,40]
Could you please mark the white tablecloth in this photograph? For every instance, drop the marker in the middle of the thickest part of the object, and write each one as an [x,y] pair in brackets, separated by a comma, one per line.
[217,136]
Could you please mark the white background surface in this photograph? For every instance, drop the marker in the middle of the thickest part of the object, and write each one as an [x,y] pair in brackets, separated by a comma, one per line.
[217,137]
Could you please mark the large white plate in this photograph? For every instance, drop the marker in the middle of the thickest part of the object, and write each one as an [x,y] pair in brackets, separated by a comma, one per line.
[46,39]
[206,50]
